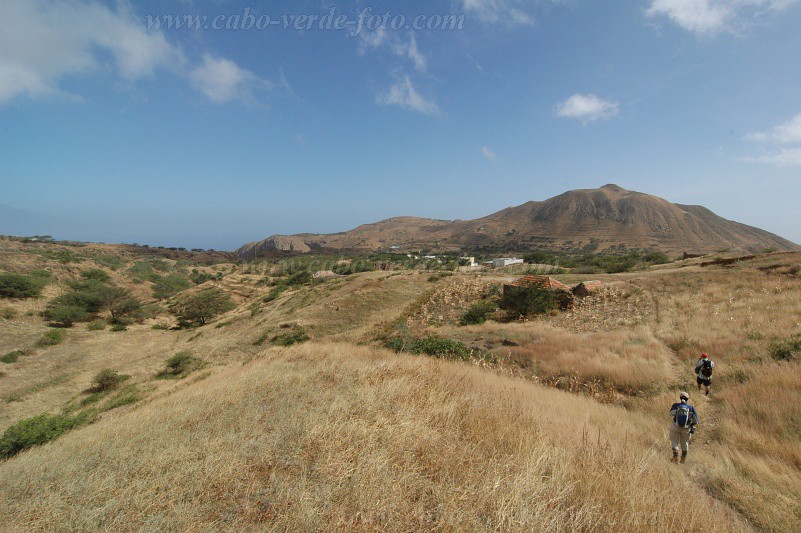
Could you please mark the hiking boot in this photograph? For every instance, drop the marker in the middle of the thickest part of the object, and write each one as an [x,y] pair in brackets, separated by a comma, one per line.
[675,459]
[706,393]
[683,457]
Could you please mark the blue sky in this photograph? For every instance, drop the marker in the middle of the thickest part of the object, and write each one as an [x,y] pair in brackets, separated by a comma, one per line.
[113,129]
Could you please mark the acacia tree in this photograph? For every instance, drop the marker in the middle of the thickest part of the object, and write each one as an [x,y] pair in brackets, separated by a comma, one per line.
[198,308]
[120,302]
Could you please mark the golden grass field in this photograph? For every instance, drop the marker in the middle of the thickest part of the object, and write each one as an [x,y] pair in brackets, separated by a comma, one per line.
[566,429]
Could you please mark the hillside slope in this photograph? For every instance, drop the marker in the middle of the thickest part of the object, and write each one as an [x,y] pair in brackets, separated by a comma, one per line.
[333,436]
[598,218]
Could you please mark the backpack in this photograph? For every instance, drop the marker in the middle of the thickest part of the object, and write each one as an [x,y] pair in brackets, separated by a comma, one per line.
[706,368]
[682,417]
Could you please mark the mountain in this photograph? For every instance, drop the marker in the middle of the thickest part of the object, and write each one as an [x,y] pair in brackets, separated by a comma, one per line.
[585,219]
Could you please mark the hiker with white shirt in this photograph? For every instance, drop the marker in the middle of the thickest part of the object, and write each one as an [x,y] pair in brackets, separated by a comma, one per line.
[703,372]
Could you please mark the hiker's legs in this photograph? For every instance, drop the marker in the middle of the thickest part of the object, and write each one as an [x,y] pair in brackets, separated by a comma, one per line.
[675,442]
[684,441]
[700,382]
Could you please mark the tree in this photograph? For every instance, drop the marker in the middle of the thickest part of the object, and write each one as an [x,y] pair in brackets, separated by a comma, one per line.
[19,286]
[66,315]
[198,308]
[169,285]
[526,301]
[119,302]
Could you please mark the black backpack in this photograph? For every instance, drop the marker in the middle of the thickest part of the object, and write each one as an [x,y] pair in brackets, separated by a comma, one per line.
[706,368]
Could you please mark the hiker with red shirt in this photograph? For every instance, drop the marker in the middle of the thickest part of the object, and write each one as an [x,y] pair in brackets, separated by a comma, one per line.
[703,372]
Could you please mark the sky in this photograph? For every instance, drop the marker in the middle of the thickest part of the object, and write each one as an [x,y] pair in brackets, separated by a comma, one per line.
[207,124]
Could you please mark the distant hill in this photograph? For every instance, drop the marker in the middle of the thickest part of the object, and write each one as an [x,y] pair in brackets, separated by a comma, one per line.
[585,219]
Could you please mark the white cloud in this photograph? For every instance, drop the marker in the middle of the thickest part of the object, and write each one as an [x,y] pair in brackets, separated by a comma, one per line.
[380,37]
[499,11]
[403,94]
[789,132]
[44,42]
[587,107]
[411,51]
[706,17]
[783,134]
[786,157]
[222,80]
[487,152]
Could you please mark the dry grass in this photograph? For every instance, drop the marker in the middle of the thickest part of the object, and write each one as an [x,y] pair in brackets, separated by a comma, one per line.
[335,436]
[340,437]
[629,361]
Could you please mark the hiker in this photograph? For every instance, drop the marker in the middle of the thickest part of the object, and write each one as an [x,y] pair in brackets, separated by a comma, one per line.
[685,418]
[703,372]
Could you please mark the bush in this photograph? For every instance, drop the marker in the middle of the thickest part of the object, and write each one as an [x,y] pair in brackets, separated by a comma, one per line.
[786,349]
[89,295]
[527,301]
[478,313]
[296,336]
[142,271]
[19,286]
[197,309]
[51,338]
[8,313]
[433,346]
[274,293]
[170,285]
[96,274]
[107,380]
[33,432]
[66,315]
[11,357]
[97,325]
[179,366]
[304,277]
[119,327]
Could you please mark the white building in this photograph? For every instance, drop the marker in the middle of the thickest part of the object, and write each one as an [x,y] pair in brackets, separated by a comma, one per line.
[506,261]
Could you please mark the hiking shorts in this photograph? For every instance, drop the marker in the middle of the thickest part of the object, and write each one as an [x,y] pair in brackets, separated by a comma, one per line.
[706,382]
[679,438]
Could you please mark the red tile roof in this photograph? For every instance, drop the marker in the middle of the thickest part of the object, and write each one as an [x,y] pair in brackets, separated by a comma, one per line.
[542,282]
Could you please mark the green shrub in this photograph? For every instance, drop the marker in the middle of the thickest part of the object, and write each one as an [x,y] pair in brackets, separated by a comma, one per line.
[51,338]
[170,285]
[786,349]
[179,366]
[478,313]
[433,346]
[125,397]
[296,336]
[11,357]
[197,309]
[274,293]
[14,285]
[107,380]
[114,262]
[33,432]
[143,271]
[304,277]
[527,301]
[119,327]
[66,315]
[96,274]
[96,325]
[198,278]
[8,313]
